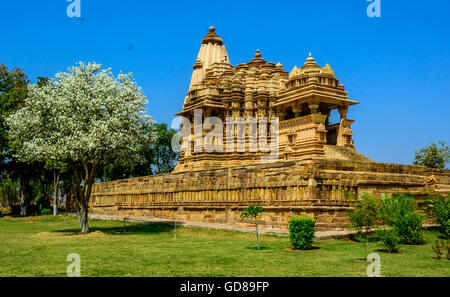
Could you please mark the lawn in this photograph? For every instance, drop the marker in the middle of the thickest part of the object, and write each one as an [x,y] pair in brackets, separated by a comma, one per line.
[38,246]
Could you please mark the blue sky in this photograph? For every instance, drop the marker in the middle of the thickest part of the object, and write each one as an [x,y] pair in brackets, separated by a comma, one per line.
[397,66]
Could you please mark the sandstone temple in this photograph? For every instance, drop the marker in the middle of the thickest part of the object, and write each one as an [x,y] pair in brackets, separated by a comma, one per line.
[314,172]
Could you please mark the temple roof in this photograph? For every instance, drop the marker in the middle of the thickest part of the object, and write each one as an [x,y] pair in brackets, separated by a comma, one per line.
[215,82]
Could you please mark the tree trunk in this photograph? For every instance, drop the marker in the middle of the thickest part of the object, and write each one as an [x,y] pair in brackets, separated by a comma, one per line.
[45,186]
[83,218]
[55,191]
[23,208]
[257,235]
[82,192]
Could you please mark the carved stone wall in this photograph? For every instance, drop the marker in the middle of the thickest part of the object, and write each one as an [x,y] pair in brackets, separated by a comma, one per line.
[316,188]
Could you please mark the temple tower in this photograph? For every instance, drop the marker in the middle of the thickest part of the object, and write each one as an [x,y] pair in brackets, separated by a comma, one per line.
[301,101]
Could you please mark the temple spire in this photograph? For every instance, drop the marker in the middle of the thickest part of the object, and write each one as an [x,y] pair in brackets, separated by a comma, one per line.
[211,52]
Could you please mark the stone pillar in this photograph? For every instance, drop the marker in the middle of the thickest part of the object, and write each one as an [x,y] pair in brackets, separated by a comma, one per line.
[343,112]
[297,110]
[312,190]
[314,107]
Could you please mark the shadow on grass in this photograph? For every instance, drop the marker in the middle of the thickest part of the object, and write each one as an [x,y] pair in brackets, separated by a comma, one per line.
[254,248]
[313,248]
[130,229]
[357,239]
[388,252]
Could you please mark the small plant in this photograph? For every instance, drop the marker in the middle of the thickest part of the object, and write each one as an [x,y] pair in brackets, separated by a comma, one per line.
[447,249]
[301,232]
[439,208]
[399,211]
[389,240]
[253,212]
[5,211]
[363,216]
[438,248]
[44,211]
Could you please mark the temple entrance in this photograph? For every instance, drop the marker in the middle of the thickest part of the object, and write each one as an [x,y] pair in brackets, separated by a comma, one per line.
[332,134]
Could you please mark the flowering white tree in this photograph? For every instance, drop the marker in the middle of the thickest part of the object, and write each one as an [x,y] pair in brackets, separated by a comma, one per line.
[85,118]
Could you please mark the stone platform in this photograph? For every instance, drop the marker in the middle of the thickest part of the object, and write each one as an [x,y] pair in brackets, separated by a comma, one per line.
[318,188]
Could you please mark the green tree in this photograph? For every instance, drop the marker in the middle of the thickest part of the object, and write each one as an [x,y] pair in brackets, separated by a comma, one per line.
[29,178]
[13,91]
[57,169]
[399,211]
[9,191]
[433,156]
[253,212]
[165,158]
[157,154]
[438,207]
[84,118]
[120,170]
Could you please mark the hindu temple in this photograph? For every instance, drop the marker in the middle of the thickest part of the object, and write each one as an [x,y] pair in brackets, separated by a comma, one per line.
[315,172]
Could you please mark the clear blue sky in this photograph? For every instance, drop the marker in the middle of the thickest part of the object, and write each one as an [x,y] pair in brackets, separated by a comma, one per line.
[397,66]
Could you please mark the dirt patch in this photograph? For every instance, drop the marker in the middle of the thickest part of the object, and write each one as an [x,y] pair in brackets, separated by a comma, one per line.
[42,235]
[95,234]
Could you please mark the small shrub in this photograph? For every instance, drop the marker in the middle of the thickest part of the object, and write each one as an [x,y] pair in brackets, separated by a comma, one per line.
[301,232]
[364,213]
[389,240]
[400,212]
[5,211]
[253,212]
[447,248]
[438,248]
[45,211]
[439,208]
[363,216]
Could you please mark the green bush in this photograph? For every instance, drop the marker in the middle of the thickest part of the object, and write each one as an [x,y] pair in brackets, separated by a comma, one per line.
[400,212]
[5,211]
[45,211]
[364,213]
[440,209]
[301,232]
[363,216]
[438,248]
[389,240]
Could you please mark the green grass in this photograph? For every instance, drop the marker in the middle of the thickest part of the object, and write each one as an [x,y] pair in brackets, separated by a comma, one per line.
[38,246]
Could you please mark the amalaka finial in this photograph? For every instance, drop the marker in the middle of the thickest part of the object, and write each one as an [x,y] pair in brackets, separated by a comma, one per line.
[310,58]
[212,37]
[258,54]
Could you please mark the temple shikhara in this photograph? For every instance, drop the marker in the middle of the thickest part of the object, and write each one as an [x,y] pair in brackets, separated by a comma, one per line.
[314,172]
